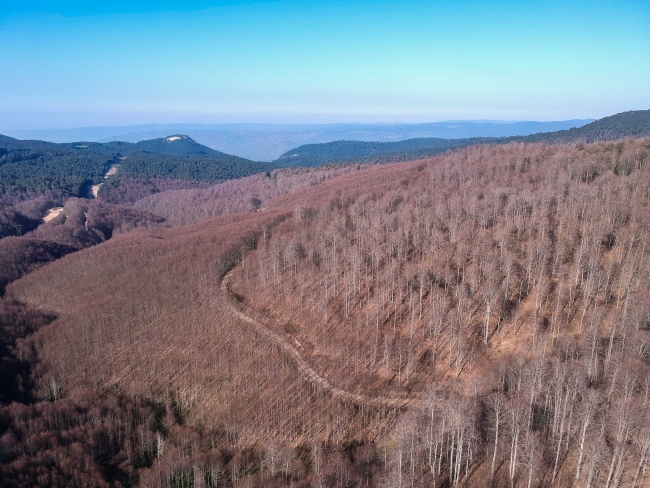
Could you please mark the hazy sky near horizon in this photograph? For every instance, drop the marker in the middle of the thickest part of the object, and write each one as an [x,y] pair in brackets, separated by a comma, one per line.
[72,64]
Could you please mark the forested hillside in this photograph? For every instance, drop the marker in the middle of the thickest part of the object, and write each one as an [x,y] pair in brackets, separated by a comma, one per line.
[209,168]
[76,225]
[626,124]
[635,123]
[177,145]
[30,169]
[503,290]
[33,168]
[479,318]
[371,152]
[188,206]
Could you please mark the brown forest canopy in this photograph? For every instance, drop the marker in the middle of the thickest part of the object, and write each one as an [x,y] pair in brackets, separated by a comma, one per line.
[497,294]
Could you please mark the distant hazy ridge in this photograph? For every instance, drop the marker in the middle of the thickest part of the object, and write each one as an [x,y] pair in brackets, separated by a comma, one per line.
[626,124]
[266,142]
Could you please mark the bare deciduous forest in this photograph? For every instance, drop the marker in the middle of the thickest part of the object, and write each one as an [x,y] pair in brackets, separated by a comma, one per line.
[480,318]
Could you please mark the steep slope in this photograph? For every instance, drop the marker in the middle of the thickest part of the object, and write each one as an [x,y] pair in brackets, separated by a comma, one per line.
[503,289]
[253,193]
[79,224]
[499,293]
[493,280]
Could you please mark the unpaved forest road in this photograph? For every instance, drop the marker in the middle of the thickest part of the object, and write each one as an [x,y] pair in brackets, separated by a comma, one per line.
[113,169]
[302,365]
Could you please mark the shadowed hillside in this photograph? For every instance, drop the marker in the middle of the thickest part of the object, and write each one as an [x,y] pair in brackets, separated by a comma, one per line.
[78,224]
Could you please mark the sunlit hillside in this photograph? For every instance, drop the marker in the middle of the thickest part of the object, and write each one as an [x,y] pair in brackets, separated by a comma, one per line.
[476,319]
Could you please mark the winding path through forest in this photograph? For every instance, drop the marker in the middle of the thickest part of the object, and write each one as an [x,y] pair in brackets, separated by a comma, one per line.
[302,365]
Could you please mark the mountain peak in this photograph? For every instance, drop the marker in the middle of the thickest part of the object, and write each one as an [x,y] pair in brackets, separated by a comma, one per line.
[177,144]
[177,137]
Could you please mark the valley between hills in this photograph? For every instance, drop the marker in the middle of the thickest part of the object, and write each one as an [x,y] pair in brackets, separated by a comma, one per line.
[471,313]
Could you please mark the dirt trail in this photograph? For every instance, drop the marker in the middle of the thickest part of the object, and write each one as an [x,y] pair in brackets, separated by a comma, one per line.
[113,169]
[302,365]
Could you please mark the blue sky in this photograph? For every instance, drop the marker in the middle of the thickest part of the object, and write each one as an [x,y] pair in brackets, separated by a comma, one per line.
[70,64]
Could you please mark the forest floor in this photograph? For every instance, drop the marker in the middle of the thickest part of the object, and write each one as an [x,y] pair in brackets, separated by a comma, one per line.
[231,303]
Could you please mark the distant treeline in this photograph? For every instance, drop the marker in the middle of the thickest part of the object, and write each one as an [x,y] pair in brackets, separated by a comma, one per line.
[626,124]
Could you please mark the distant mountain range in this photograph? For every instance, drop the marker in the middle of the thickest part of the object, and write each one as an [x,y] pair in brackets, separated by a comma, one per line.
[266,142]
[626,124]
[31,168]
